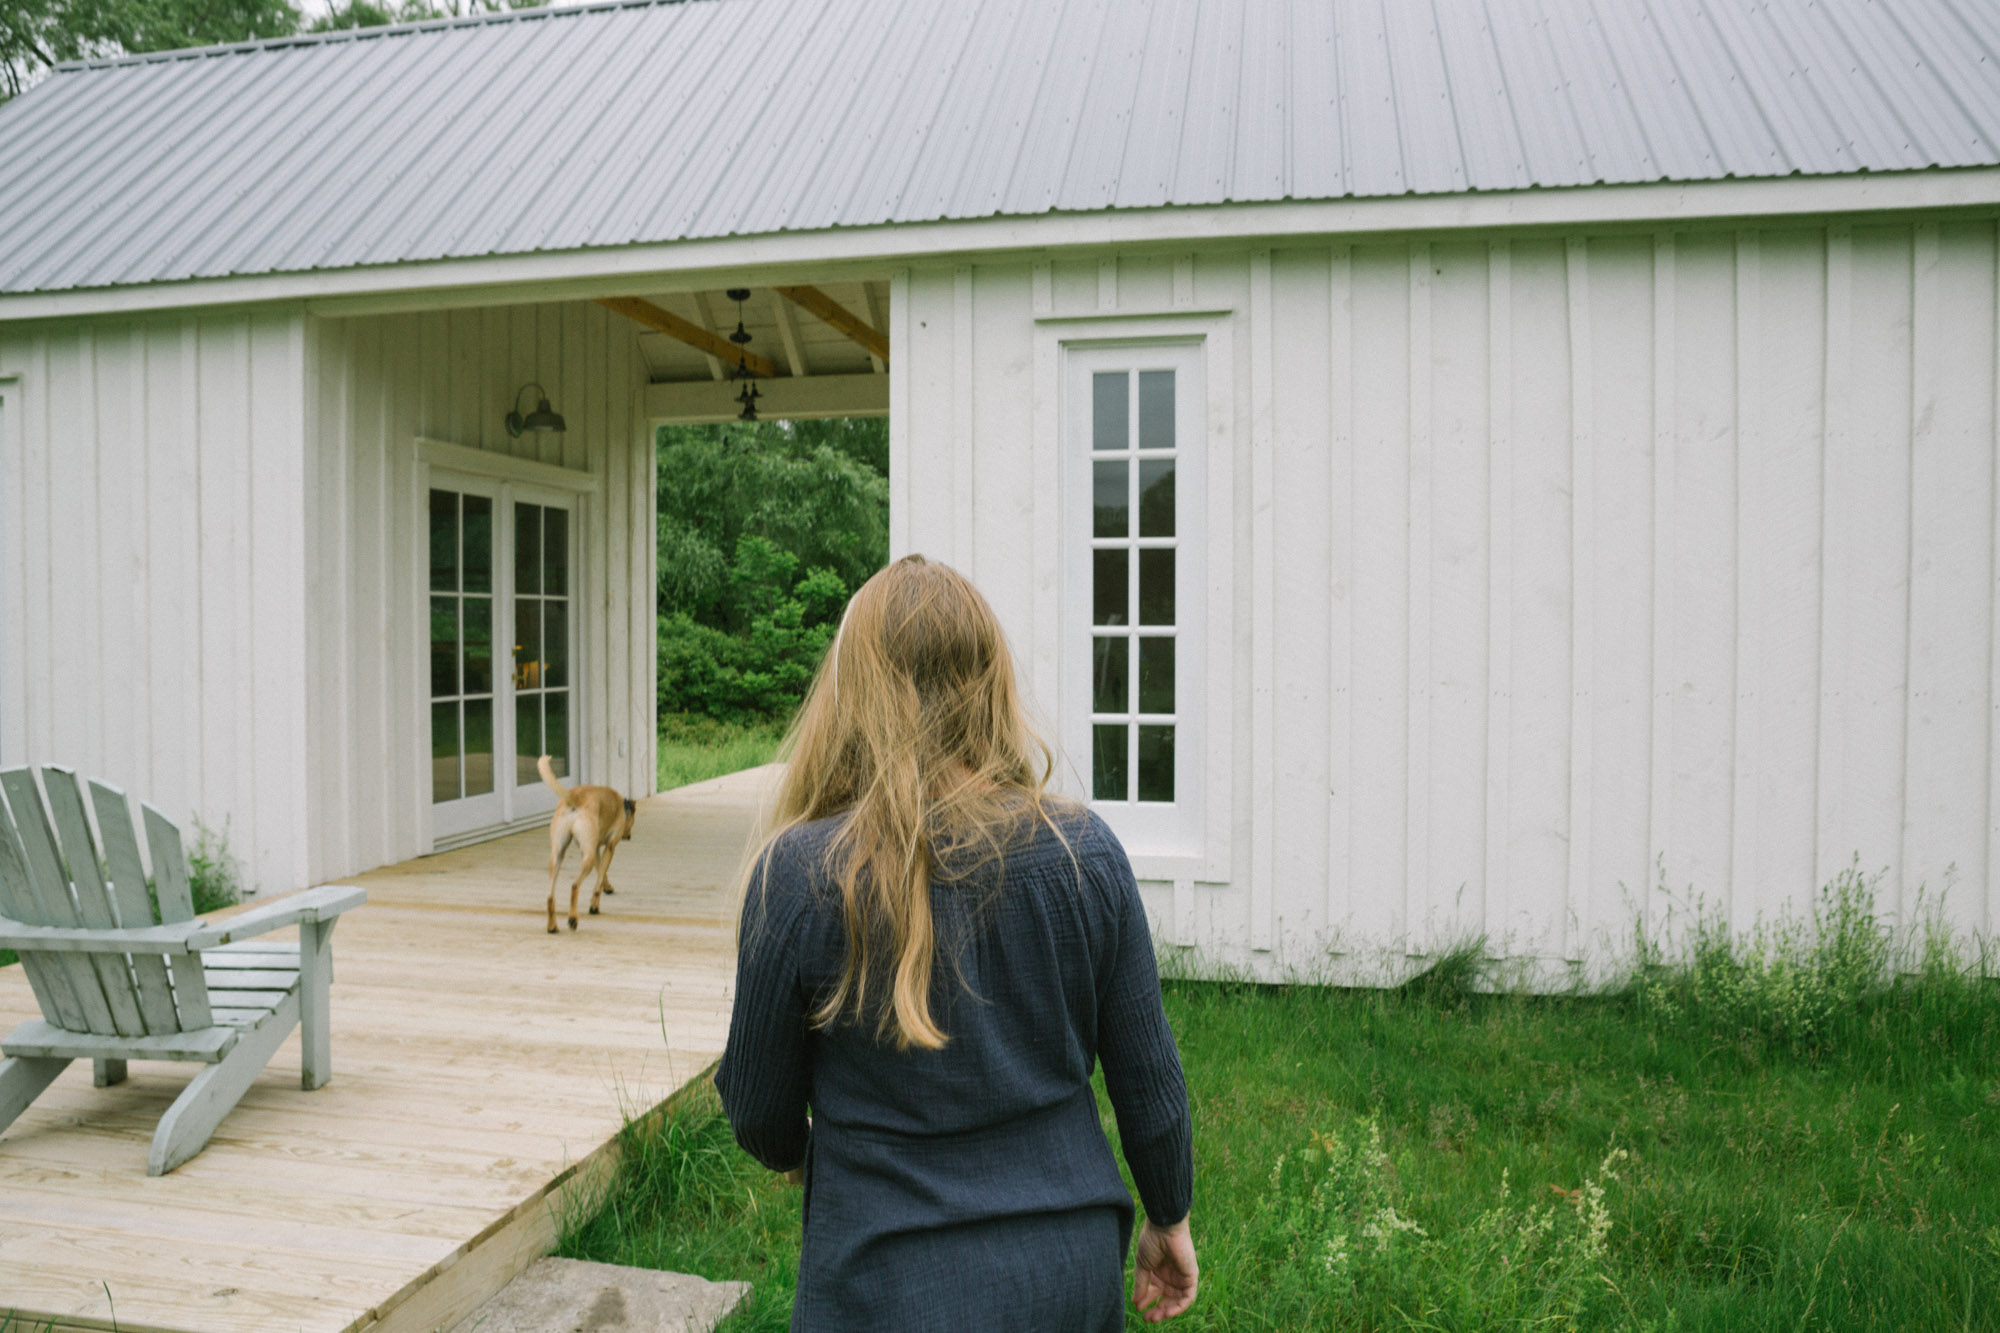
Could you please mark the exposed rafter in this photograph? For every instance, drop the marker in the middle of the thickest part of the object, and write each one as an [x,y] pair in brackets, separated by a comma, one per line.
[704,317]
[817,303]
[878,318]
[694,335]
[788,336]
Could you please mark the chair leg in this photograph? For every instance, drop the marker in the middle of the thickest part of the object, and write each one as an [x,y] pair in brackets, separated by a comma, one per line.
[315,976]
[185,1128]
[104,1073]
[21,1081]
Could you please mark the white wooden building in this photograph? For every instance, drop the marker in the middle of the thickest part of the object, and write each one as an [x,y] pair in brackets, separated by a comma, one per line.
[1443,475]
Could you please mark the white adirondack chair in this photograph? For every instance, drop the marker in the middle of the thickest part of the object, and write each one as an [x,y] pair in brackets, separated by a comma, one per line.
[114,986]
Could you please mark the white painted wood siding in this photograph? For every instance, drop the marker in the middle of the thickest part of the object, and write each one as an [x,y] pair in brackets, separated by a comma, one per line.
[1597,564]
[209,538]
[380,383]
[153,537]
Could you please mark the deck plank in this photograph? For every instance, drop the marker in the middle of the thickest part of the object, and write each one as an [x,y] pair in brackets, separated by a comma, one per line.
[477,1060]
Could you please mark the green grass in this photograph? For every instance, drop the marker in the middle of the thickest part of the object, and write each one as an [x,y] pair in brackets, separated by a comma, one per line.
[11,1323]
[695,749]
[8,956]
[1763,1136]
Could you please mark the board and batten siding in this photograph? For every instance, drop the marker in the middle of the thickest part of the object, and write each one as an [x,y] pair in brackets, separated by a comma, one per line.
[380,383]
[153,524]
[1586,575]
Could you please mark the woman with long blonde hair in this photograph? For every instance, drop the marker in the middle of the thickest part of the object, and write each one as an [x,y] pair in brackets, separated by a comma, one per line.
[935,951]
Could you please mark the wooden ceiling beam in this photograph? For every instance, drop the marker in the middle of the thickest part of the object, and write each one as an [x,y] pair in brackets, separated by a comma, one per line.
[878,318]
[641,311]
[831,312]
[788,334]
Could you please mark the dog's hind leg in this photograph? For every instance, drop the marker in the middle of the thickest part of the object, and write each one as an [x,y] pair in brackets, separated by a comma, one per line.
[558,848]
[603,875]
[582,871]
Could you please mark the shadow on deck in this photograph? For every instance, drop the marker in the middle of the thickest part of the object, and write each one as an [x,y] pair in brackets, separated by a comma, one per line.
[481,1066]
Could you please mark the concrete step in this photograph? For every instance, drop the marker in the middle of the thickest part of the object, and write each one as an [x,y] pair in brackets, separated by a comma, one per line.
[572,1296]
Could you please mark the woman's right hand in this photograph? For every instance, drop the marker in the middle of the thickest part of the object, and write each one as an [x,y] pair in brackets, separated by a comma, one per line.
[1164,1273]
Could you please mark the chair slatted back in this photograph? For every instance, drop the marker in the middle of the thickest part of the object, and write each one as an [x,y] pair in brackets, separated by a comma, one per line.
[128,895]
[95,979]
[94,902]
[69,873]
[170,886]
[61,981]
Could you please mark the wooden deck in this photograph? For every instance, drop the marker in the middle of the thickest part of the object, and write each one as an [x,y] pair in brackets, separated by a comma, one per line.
[480,1067]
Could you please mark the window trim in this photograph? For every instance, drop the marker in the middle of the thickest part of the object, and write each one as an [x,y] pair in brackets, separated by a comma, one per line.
[1192,841]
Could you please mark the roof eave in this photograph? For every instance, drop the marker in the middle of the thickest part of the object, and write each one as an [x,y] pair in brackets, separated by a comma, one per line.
[575,274]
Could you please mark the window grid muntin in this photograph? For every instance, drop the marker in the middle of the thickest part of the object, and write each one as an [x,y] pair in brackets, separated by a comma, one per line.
[453,597]
[535,592]
[1132,456]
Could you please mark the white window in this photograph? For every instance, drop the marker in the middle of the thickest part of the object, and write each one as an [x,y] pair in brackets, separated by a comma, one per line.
[1132,641]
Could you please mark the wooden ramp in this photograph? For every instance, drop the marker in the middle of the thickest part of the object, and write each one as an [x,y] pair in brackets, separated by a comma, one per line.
[480,1067]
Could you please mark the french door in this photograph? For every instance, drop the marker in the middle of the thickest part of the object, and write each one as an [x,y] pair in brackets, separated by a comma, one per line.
[501,597]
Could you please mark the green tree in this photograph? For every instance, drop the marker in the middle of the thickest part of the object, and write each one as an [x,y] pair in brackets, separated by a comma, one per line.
[376,13]
[863,439]
[765,529]
[808,490]
[36,34]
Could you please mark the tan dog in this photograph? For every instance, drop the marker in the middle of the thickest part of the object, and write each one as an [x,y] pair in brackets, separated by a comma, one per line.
[596,819]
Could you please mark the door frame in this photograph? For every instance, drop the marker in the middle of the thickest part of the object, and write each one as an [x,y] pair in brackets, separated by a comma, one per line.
[445,464]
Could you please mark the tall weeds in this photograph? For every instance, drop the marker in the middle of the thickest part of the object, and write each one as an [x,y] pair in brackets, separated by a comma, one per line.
[1835,978]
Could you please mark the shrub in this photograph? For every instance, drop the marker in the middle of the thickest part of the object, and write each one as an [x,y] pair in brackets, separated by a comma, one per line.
[214,875]
[761,672]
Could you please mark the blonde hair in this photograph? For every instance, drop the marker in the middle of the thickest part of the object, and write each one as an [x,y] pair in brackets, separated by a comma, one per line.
[913,731]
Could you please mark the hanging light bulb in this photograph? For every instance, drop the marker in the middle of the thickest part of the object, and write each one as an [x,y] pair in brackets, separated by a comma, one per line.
[748,396]
[739,295]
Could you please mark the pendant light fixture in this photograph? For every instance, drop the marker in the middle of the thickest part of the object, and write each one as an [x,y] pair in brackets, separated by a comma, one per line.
[743,374]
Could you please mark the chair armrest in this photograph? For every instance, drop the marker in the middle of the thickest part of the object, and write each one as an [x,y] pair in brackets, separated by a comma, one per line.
[20,936]
[320,904]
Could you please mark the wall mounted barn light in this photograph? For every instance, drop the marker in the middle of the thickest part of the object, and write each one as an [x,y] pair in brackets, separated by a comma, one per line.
[749,396]
[543,420]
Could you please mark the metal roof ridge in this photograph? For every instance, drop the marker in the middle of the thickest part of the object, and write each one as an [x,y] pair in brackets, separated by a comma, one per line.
[543,11]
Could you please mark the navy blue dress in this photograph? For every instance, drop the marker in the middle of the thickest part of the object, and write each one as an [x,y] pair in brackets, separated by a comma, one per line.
[970,1187]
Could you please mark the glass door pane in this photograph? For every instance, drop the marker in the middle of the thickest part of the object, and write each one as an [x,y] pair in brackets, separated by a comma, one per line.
[541,680]
[461,659]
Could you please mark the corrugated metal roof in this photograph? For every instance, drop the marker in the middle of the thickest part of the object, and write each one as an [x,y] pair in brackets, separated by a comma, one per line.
[657,121]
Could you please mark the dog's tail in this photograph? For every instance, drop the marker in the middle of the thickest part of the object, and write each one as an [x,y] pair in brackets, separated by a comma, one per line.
[549,774]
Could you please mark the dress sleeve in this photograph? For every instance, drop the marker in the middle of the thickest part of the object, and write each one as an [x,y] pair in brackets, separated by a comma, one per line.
[1142,1067]
[762,1077]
